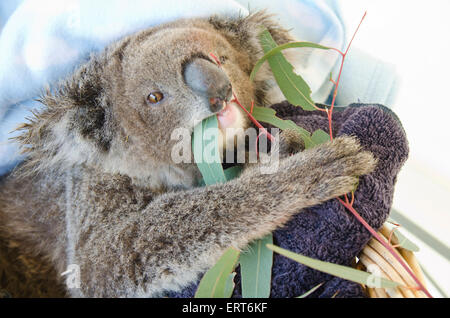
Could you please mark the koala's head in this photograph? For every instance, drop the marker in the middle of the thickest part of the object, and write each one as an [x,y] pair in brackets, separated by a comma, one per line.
[118,111]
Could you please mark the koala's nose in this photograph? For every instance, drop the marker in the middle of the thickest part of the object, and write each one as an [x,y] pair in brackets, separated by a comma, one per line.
[208,80]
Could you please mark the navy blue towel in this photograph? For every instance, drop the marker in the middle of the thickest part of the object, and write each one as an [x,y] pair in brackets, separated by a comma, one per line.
[328,231]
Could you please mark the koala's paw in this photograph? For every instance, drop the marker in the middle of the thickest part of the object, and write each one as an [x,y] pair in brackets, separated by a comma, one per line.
[333,169]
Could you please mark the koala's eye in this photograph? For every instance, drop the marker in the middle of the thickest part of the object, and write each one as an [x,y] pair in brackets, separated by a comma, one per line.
[155,97]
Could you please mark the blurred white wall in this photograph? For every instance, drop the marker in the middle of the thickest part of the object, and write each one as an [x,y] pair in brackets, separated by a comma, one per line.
[414,35]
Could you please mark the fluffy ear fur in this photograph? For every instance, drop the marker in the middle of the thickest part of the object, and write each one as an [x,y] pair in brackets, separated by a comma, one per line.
[244,33]
[75,125]
[92,115]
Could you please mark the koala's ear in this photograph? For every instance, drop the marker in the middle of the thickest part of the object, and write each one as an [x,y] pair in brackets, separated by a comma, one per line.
[255,21]
[90,115]
[244,32]
[243,35]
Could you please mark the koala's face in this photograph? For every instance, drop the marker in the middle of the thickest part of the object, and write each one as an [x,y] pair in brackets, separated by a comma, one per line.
[118,111]
[168,79]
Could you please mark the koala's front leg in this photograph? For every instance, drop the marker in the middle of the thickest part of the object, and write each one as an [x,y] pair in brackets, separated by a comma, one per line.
[179,235]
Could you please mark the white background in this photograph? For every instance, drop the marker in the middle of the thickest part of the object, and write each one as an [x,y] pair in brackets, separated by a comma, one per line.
[414,35]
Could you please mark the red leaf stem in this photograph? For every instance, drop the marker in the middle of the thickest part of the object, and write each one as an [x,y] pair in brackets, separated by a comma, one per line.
[386,245]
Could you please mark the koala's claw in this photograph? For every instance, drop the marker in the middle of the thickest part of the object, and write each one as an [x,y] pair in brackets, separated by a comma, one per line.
[359,164]
[336,187]
[290,142]
[346,161]
[331,169]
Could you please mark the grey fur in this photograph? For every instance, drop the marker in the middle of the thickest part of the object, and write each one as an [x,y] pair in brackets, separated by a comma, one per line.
[100,190]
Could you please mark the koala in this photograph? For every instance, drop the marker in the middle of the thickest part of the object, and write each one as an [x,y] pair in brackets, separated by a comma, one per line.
[99,188]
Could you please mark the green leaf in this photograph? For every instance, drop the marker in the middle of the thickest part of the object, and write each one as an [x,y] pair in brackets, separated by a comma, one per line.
[216,282]
[229,285]
[267,115]
[294,88]
[320,137]
[206,151]
[312,290]
[256,269]
[437,245]
[404,242]
[280,48]
[233,172]
[230,173]
[341,271]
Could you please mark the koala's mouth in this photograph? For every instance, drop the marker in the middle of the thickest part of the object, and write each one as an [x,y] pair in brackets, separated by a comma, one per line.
[229,116]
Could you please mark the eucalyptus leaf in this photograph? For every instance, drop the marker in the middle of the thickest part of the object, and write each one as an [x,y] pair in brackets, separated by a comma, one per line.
[268,115]
[208,162]
[256,269]
[216,282]
[280,48]
[229,285]
[233,172]
[293,86]
[426,237]
[404,242]
[320,137]
[341,271]
[230,173]
[309,292]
